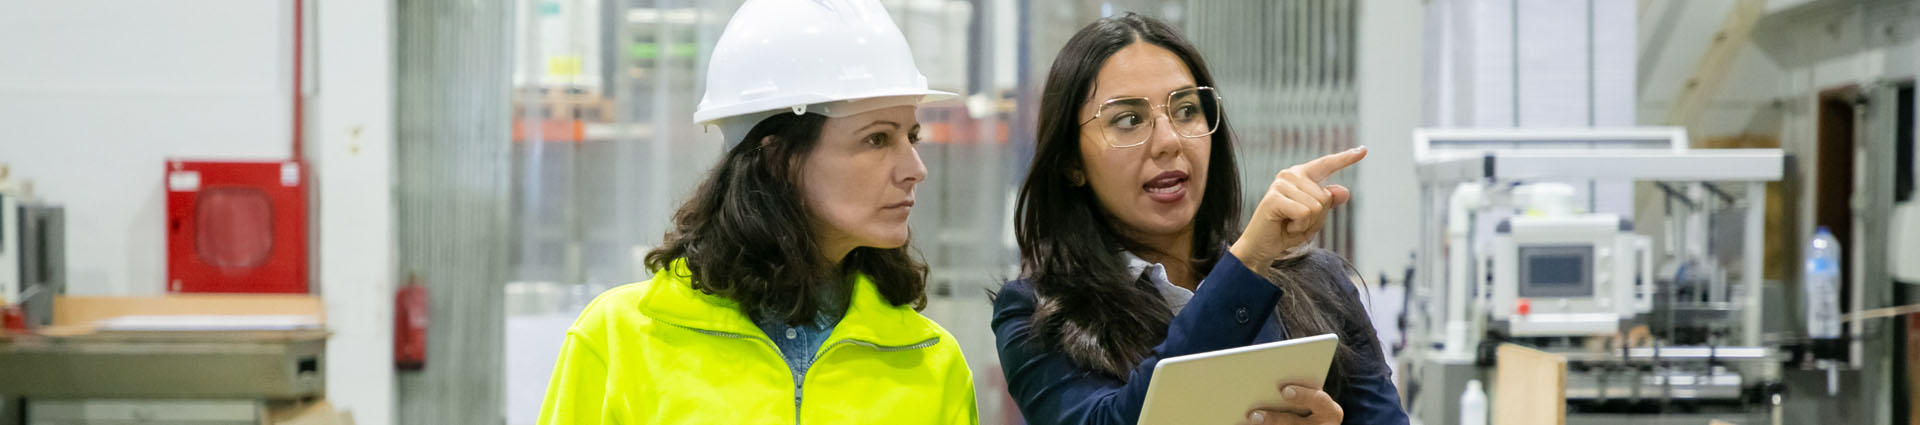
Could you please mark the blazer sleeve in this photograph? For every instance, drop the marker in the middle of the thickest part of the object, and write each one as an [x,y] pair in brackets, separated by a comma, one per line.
[1049,388]
[1370,397]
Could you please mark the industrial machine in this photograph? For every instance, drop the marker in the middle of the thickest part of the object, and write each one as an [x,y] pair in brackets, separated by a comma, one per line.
[32,252]
[1569,275]
[43,265]
[9,250]
[1531,237]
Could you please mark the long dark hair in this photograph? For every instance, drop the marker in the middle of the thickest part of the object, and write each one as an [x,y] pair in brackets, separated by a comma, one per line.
[746,236]
[1088,305]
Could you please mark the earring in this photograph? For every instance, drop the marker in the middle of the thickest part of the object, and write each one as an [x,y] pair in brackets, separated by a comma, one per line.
[1076,179]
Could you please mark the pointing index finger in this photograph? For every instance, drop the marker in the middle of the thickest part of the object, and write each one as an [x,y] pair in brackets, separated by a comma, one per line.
[1319,168]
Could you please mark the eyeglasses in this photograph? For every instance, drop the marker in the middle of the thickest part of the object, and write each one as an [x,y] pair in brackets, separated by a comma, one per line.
[1128,121]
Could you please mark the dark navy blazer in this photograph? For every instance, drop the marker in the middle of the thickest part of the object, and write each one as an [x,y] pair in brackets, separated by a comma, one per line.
[1233,308]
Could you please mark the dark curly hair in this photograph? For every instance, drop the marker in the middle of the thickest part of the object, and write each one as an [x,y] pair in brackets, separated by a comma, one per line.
[746,236]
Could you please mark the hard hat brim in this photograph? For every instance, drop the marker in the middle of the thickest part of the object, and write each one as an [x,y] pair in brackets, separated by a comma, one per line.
[711,116]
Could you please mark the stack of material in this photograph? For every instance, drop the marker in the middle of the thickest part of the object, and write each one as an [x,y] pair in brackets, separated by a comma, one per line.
[228,359]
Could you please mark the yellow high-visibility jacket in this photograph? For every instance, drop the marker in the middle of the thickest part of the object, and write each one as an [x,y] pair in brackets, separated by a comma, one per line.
[661,352]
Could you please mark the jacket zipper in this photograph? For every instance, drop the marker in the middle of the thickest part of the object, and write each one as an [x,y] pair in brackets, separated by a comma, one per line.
[797,386]
[836,344]
[776,354]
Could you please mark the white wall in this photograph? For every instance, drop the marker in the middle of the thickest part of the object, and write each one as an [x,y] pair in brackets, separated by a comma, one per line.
[1547,64]
[350,141]
[1673,39]
[1798,49]
[95,95]
[1389,79]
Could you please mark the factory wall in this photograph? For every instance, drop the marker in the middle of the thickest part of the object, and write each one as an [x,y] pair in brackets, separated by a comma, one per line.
[1388,77]
[351,145]
[1771,90]
[1771,95]
[106,91]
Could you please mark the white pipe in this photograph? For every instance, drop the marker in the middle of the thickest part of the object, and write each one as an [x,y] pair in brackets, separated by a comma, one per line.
[1752,251]
[1460,209]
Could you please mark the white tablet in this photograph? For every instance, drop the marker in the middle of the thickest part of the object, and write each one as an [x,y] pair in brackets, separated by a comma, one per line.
[1220,387]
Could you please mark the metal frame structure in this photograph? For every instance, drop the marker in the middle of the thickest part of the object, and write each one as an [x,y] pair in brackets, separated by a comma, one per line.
[1755,166]
[1446,158]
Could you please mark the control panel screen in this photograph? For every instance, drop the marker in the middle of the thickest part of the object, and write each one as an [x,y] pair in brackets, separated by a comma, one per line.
[1556,271]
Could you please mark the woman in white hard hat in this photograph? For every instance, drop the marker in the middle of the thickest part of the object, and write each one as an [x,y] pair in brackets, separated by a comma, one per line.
[784,292]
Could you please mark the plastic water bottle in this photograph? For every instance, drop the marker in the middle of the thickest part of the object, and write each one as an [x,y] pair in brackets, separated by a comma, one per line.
[1823,285]
[1473,404]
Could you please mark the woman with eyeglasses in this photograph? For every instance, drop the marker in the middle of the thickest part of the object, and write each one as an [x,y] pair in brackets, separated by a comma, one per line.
[1131,248]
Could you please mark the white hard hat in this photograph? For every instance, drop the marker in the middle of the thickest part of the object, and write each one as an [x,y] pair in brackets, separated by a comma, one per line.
[833,57]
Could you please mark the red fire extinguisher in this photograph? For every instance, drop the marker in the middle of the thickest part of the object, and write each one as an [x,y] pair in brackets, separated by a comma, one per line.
[410,326]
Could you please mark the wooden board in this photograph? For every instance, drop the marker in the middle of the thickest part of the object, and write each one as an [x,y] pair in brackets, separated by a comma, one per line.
[1726,45]
[86,310]
[1913,369]
[316,412]
[1530,387]
[75,316]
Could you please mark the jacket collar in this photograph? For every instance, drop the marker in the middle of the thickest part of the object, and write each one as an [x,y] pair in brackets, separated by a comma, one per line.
[870,319]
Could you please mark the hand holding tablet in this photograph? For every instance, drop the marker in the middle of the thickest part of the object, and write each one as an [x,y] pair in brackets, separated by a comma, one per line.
[1306,406]
[1245,385]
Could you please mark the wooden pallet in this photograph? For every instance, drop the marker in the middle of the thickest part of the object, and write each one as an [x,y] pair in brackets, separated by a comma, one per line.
[563,104]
